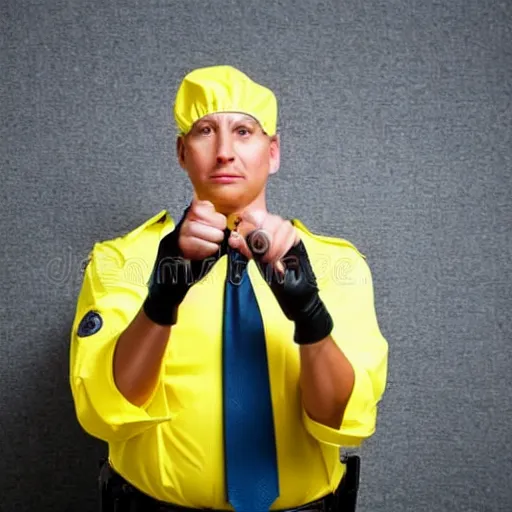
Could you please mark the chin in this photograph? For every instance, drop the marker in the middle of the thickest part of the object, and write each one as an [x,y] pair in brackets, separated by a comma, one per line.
[230,202]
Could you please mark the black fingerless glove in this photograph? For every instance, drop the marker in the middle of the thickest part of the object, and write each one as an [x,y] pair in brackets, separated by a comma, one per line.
[172,277]
[297,294]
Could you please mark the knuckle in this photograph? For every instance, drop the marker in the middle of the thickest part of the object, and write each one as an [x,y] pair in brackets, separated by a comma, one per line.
[220,221]
[184,244]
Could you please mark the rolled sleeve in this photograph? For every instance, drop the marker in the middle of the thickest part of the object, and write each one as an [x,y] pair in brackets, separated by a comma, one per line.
[356,332]
[359,420]
[113,292]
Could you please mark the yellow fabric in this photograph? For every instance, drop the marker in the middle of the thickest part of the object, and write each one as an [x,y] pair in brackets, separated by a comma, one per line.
[223,89]
[172,448]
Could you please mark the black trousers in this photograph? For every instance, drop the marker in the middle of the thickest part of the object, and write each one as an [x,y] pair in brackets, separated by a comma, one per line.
[118,495]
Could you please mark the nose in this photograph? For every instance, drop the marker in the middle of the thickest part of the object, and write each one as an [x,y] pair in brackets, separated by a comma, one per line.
[225,152]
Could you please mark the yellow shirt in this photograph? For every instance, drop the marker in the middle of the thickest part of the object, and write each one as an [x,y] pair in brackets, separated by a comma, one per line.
[172,447]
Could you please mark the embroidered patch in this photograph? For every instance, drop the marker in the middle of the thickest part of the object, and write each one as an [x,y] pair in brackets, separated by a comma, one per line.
[90,324]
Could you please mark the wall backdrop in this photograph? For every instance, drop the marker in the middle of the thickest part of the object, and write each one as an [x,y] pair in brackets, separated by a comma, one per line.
[395,118]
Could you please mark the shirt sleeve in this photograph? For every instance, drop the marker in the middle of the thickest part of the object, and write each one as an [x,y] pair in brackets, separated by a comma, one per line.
[112,293]
[349,298]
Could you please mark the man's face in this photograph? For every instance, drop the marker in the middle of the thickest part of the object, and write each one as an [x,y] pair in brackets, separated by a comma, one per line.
[228,158]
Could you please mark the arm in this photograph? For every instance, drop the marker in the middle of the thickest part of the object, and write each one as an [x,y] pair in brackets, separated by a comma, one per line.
[138,358]
[115,364]
[141,347]
[357,335]
[343,354]
[101,408]
[326,381]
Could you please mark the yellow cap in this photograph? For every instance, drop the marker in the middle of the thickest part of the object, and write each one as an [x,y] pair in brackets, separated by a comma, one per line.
[223,89]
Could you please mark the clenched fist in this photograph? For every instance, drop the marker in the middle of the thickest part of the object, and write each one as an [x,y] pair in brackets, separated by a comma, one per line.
[202,231]
[180,260]
[286,267]
[280,234]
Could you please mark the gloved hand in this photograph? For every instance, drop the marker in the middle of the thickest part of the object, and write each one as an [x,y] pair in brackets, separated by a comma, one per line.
[184,257]
[296,292]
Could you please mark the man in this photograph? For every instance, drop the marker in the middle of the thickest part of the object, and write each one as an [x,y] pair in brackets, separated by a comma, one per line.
[230,374]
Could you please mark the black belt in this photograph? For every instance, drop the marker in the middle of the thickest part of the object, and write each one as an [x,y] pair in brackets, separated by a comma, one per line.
[315,506]
[118,495]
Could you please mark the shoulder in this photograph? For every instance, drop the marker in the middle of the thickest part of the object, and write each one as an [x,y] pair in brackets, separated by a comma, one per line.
[325,244]
[158,225]
[148,233]
[334,260]
[132,252]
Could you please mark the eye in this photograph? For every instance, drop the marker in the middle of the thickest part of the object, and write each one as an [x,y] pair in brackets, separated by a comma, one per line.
[205,130]
[243,131]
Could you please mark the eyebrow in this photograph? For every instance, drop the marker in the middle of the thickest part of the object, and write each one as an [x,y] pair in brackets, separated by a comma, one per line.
[248,119]
[244,118]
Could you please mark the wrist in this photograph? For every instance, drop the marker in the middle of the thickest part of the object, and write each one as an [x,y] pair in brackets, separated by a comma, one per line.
[159,310]
[314,325]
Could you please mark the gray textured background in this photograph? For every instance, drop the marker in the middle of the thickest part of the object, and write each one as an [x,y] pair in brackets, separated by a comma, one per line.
[396,129]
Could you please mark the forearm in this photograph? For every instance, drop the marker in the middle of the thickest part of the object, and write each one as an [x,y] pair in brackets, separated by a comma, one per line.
[326,381]
[138,358]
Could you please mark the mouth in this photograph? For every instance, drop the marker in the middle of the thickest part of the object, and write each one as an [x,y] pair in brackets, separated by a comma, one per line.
[225,178]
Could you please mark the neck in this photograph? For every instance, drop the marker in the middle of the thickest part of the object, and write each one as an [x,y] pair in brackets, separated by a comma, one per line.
[259,204]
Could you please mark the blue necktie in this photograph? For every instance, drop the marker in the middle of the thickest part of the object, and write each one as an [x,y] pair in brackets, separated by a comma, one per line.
[252,482]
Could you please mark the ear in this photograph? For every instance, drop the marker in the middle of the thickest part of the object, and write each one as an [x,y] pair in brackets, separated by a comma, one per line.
[180,150]
[275,153]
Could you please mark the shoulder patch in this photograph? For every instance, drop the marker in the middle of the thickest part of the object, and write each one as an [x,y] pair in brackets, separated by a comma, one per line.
[90,324]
